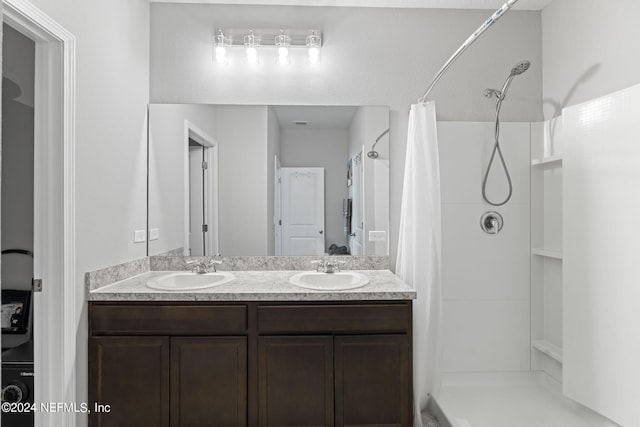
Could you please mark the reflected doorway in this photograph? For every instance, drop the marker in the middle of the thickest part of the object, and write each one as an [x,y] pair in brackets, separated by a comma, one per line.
[201,193]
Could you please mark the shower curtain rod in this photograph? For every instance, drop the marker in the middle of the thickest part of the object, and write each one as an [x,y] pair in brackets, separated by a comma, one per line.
[472,38]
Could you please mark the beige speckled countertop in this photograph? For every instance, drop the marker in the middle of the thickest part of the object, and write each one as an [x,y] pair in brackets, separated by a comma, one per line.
[257,286]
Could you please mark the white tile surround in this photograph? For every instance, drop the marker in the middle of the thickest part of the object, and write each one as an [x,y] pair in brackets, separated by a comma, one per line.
[486,286]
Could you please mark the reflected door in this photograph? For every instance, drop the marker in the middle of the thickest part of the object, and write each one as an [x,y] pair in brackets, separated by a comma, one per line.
[302,195]
[356,192]
[197,203]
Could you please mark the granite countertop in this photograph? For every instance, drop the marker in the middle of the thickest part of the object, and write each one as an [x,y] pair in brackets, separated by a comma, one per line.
[257,286]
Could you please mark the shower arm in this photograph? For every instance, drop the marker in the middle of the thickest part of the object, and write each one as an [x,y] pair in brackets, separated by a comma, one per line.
[379,138]
[472,38]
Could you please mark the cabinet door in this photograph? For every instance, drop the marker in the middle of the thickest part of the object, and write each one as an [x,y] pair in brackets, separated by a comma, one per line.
[373,383]
[295,381]
[131,374]
[209,381]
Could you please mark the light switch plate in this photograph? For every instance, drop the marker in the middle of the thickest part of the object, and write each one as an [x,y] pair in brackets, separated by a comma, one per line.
[139,236]
[154,234]
[377,236]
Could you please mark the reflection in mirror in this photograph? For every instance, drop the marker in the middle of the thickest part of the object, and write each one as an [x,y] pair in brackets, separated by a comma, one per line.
[268,180]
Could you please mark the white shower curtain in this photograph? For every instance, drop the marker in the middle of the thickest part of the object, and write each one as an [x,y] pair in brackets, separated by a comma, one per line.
[419,250]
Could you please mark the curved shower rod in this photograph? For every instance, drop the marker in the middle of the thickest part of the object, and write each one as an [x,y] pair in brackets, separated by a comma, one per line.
[472,38]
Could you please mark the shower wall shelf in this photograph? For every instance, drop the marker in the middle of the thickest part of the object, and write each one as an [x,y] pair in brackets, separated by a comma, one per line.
[548,348]
[556,158]
[546,248]
[549,253]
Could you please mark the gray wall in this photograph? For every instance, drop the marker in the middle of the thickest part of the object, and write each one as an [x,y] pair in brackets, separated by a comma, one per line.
[242,135]
[371,56]
[590,48]
[17,157]
[273,150]
[166,168]
[326,148]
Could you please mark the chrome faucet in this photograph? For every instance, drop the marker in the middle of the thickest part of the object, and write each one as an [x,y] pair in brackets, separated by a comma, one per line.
[328,266]
[203,266]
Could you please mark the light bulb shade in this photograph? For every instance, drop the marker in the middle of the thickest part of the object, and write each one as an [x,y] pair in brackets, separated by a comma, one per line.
[314,55]
[282,43]
[313,43]
[251,43]
[221,54]
[283,55]
[252,55]
[220,41]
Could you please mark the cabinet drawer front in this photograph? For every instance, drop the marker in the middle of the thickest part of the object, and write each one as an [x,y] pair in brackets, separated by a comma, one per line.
[168,319]
[374,318]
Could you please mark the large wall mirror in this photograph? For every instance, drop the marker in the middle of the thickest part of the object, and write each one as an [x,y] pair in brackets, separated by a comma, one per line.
[268,180]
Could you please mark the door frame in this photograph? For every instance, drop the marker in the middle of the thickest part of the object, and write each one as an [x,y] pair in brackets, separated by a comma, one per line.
[211,207]
[54,209]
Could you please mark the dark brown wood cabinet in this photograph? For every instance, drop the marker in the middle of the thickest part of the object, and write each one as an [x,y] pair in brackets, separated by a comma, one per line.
[131,375]
[372,381]
[208,381]
[251,364]
[295,381]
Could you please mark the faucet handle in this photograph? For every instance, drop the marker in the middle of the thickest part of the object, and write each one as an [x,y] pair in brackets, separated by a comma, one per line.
[320,263]
[212,264]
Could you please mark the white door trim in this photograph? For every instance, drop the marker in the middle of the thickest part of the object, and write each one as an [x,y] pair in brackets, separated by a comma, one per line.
[55,326]
[211,155]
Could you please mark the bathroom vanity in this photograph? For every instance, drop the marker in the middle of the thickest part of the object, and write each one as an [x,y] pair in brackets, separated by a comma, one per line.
[252,353]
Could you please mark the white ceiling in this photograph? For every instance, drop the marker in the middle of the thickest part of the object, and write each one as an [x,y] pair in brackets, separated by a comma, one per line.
[422,4]
[317,117]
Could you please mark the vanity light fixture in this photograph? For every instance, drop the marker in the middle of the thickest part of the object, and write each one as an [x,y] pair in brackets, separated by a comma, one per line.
[313,43]
[251,43]
[283,42]
[289,45]
[220,41]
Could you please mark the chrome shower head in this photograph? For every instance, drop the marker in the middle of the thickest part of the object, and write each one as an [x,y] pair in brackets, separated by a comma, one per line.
[372,154]
[520,68]
[517,69]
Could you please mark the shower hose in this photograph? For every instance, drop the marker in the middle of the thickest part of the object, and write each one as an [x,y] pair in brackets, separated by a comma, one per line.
[496,148]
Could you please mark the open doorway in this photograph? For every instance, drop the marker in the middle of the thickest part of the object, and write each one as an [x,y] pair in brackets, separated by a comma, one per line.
[55,314]
[201,193]
[18,86]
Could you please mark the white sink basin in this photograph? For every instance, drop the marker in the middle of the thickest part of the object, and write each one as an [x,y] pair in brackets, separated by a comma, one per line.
[186,281]
[329,281]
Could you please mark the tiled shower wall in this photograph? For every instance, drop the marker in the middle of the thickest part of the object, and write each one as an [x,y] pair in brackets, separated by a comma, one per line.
[485,278]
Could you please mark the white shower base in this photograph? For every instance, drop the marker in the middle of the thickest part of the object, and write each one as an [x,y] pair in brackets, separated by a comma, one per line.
[528,399]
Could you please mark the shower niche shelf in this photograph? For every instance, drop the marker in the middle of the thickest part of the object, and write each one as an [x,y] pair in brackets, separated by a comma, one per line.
[550,160]
[546,248]
[548,348]
[547,253]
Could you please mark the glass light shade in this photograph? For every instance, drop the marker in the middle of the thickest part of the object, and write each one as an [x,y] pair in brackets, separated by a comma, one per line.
[221,54]
[219,42]
[314,43]
[282,42]
[314,55]
[251,43]
[252,55]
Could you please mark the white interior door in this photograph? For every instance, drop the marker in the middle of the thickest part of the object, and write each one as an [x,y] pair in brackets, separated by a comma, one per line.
[196,201]
[356,191]
[302,192]
[601,212]
[277,206]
